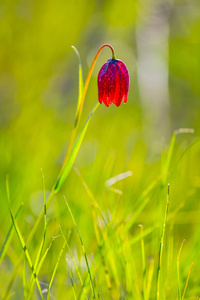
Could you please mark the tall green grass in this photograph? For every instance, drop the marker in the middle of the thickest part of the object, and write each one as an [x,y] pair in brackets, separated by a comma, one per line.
[128,262]
[120,241]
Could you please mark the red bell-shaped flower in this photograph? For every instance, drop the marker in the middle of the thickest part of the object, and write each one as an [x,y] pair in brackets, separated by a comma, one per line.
[113,82]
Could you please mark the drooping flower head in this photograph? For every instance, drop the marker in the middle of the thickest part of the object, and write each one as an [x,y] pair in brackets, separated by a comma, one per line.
[113,82]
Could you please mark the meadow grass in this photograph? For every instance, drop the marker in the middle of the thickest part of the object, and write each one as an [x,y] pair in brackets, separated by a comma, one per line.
[126,242]
[129,262]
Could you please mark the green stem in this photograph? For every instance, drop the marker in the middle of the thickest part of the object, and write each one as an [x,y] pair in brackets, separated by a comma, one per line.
[73,134]
[88,79]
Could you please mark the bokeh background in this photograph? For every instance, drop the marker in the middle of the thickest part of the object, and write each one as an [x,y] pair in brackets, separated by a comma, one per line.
[158,40]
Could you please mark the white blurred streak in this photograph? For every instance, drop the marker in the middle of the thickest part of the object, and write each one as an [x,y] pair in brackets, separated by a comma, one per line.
[152,38]
[117,178]
[184,130]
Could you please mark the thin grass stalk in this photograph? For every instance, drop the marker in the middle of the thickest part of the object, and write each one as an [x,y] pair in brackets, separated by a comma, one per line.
[23,244]
[72,282]
[121,260]
[24,279]
[151,229]
[171,247]
[45,216]
[150,277]
[55,269]
[80,92]
[95,276]
[143,263]
[94,205]
[75,127]
[130,270]
[83,248]
[168,160]
[94,202]
[9,236]
[109,252]
[142,201]
[178,270]
[161,246]
[106,271]
[44,234]
[147,231]
[186,284]
[105,267]
[113,216]
[27,255]
[75,265]
[40,263]
[196,141]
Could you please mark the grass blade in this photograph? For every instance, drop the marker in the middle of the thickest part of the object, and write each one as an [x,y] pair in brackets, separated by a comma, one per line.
[143,263]
[178,271]
[94,204]
[9,236]
[95,208]
[40,263]
[31,234]
[67,167]
[168,159]
[149,278]
[137,212]
[86,260]
[161,245]
[24,279]
[142,200]
[78,112]
[80,85]
[186,284]
[75,265]
[22,240]
[43,240]
[72,282]
[44,234]
[55,269]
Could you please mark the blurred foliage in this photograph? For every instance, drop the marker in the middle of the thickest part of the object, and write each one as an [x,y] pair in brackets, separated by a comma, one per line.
[38,95]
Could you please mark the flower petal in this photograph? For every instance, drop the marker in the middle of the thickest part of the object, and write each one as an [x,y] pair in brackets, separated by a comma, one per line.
[109,83]
[119,91]
[101,82]
[124,71]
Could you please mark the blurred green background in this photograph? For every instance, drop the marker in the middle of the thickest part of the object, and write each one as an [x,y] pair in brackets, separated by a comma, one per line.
[159,41]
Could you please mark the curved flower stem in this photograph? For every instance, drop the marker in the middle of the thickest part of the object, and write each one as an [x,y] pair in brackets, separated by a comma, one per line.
[88,80]
[76,122]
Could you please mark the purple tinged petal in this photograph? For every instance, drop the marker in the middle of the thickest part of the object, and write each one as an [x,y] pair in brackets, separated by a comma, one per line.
[113,82]
[124,71]
[118,90]
[101,82]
